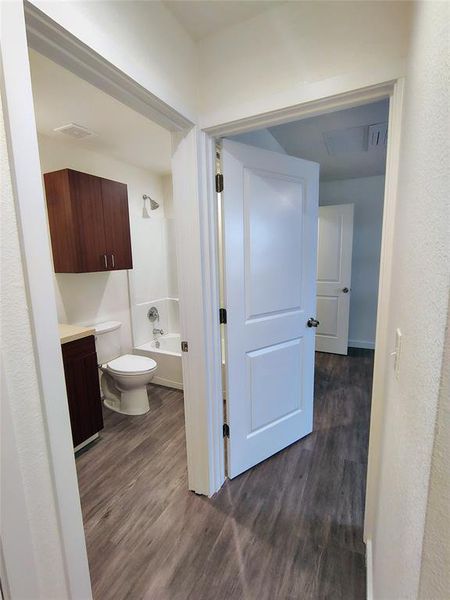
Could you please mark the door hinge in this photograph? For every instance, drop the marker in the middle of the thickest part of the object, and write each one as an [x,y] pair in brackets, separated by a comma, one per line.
[222,316]
[226,430]
[184,347]
[219,183]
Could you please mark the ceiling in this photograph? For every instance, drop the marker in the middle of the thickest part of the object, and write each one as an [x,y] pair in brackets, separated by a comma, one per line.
[201,18]
[348,142]
[60,97]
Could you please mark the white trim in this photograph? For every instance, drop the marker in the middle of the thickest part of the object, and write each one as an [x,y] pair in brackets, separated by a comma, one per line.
[303,110]
[86,442]
[382,349]
[32,223]
[199,321]
[361,344]
[211,284]
[369,570]
[53,41]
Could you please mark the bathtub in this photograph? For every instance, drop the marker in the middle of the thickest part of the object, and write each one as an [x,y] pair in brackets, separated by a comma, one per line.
[167,357]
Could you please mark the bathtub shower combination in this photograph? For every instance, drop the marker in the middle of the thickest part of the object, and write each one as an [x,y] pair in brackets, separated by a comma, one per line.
[162,347]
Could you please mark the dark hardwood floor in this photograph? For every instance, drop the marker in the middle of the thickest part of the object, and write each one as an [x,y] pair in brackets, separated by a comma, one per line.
[290,528]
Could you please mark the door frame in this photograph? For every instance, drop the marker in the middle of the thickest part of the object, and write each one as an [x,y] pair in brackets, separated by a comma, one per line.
[56,43]
[394,91]
[196,213]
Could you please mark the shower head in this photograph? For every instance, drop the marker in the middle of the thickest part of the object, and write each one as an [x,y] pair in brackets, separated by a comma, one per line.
[153,204]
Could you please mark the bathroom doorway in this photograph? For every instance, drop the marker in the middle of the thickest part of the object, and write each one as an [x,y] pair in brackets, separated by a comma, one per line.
[120,312]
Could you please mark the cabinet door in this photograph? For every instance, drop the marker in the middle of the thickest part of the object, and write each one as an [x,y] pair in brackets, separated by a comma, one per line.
[86,193]
[83,390]
[117,225]
[61,219]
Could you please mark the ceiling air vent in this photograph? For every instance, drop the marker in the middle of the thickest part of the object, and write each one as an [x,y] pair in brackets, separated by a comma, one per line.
[345,141]
[76,131]
[377,135]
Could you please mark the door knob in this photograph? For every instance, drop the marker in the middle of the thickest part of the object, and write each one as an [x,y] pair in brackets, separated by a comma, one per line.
[312,322]
[345,290]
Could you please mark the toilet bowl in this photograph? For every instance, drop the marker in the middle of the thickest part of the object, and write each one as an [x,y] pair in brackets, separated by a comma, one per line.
[123,377]
[124,383]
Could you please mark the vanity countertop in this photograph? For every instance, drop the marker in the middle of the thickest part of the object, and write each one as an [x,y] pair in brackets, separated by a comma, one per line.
[70,333]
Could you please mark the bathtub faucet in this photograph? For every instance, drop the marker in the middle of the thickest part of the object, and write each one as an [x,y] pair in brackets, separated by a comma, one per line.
[158,331]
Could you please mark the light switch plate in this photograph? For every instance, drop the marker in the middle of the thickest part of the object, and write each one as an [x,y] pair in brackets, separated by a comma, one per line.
[398,351]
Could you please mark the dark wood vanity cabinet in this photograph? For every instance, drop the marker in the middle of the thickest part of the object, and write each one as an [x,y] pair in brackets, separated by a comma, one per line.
[89,222]
[83,389]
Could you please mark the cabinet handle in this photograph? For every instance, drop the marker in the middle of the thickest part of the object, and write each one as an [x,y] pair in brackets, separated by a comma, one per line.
[105,258]
[113,261]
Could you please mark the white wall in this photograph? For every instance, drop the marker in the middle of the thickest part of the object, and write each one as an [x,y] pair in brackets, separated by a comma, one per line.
[367,194]
[300,51]
[418,306]
[87,298]
[435,573]
[172,276]
[143,39]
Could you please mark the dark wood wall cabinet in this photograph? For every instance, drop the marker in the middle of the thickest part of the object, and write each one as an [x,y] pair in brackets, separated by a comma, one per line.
[89,222]
[83,389]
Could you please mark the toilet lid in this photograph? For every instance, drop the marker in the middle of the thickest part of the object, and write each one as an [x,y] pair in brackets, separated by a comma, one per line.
[131,363]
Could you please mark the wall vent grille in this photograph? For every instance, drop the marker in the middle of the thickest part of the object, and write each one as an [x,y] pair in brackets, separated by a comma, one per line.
[377,135]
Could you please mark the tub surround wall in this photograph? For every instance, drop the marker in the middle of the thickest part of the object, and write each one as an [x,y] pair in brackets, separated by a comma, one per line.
[169,320]
[171,245]
[153,281]
[89,298]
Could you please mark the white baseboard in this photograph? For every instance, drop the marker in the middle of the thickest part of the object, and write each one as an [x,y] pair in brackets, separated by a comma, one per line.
[369,570]
[361,344]
[86,442]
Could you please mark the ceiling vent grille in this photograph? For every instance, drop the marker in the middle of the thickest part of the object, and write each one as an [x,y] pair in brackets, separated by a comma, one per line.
[377,135]
[75,131]
[346,141]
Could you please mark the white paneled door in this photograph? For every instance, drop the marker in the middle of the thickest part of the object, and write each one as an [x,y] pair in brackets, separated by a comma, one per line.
[334,274]
[270,204]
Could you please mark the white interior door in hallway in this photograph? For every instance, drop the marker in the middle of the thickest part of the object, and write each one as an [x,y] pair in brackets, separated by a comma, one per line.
[334,273]
[270,205]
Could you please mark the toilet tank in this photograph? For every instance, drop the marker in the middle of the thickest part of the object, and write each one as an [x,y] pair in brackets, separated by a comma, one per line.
[107,341]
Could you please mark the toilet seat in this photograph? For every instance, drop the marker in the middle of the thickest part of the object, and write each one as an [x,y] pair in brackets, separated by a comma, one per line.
[131,364]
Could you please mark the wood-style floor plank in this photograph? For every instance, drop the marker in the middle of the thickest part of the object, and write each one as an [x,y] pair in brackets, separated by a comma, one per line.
[290,528]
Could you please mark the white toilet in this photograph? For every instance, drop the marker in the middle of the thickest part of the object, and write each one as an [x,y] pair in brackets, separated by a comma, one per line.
[124,377]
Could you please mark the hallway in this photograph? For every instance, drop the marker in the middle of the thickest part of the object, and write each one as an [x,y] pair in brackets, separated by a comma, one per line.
[289,528]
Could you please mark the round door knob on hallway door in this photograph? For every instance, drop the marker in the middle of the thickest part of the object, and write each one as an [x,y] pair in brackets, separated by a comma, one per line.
[345,290]
[312,322]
